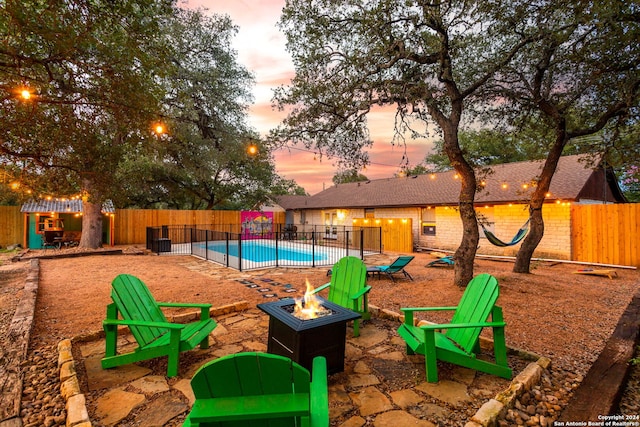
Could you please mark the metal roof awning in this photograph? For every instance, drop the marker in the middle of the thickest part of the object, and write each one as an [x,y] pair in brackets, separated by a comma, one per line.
[61,206]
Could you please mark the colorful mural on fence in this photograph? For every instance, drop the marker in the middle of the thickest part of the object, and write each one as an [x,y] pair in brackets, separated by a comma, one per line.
[256,225]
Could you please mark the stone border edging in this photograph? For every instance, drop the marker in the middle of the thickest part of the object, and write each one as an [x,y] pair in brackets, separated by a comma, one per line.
[20,332]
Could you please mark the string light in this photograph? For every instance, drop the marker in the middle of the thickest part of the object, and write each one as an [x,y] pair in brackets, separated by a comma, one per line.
[159,128]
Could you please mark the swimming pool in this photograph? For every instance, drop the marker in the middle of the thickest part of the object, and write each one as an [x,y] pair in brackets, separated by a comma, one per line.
[265,251]
[262,253]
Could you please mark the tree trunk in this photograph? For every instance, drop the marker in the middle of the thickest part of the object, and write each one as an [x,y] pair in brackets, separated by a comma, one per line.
[530,243]
[466,252]
[91,216]
[536,226]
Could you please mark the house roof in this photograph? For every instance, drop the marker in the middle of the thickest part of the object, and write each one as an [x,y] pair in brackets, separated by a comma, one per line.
[505,183]
[292,202]
[62,206]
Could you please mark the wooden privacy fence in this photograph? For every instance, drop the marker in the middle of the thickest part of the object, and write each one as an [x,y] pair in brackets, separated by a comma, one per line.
[11,225]
[131,224]
[396,232]
[606,234]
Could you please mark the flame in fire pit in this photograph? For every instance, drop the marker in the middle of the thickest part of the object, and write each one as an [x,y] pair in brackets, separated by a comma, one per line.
[309,307]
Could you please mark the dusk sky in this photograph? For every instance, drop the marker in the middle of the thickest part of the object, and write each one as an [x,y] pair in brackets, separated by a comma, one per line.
[261,49]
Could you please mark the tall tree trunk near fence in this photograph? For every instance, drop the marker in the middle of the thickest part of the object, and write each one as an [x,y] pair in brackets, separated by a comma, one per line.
[91,216]
[91,225]
[466,252]
[536,226]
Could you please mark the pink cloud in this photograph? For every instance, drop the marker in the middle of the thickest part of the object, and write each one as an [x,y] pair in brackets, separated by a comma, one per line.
[261,48]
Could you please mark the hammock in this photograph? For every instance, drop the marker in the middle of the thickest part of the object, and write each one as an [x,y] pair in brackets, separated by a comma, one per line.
[516,239]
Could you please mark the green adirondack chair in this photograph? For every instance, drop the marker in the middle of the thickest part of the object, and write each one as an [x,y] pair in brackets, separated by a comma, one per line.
[259,390]
[460,344]
[348,288]
[155,335]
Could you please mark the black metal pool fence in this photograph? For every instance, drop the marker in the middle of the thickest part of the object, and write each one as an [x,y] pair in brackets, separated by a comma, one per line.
[318,245]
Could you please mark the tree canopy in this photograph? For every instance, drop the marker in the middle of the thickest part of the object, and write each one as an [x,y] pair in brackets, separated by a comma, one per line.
[348,175]
[82,83]
[428,60]
[203,161]
[542,68]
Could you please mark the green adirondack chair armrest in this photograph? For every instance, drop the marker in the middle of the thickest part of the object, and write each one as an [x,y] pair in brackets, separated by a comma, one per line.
[361,292]
[319,288]
[428,308]
[463,325]
[143,323]
[408,312]
[204,307]
[319,393]
[184,304]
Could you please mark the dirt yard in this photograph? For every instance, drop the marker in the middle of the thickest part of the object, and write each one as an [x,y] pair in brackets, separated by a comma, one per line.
[552,312]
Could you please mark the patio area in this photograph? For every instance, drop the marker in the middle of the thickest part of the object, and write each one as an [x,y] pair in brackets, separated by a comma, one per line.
[380,384]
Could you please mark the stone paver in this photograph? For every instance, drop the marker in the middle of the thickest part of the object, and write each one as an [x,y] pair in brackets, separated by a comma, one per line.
[400,419]
[151,384]
[363,380]
[448,391]
[184,386]
[99,378]
[165,408]
[371,401]
[116,404]
[405,398]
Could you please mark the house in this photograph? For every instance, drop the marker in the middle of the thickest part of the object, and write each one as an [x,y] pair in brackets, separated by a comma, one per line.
[61,218]
[429,202]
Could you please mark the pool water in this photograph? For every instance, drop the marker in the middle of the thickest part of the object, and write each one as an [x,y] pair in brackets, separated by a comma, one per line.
[263,251]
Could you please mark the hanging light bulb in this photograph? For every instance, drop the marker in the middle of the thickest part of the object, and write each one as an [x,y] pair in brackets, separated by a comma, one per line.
[159,128]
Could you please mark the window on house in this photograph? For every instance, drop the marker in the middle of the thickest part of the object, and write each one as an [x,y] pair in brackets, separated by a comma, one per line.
[428,221]
[42,220]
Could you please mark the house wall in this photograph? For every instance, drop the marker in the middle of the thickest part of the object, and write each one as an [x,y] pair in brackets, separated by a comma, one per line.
[316,217]
[506,221]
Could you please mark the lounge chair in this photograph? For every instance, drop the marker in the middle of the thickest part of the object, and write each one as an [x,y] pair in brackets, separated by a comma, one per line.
[444,261]
[397,266]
